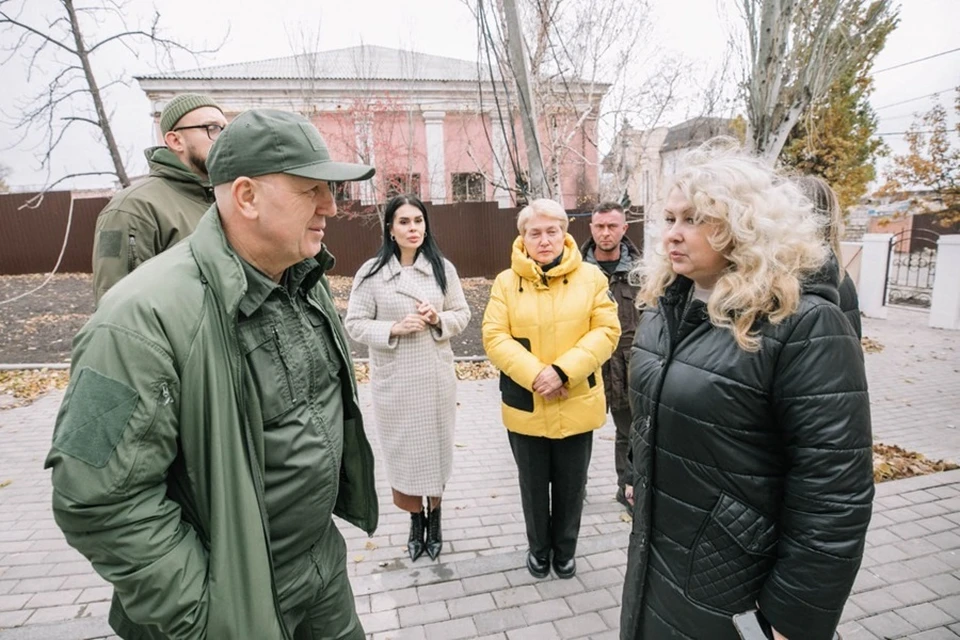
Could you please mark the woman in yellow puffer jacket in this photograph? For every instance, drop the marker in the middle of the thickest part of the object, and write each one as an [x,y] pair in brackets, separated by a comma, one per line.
[549,326]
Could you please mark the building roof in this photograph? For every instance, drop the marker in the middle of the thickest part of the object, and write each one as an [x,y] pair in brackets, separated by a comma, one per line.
[364,62]
[695,131]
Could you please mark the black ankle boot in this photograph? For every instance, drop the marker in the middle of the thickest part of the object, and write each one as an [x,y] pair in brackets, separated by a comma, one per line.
[434,536]
[415,542]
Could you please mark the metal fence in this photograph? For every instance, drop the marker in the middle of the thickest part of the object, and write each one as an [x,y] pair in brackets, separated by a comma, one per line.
[475,236]
[31,238]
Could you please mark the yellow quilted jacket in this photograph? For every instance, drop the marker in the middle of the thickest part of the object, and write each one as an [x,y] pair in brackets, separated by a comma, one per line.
[563,317]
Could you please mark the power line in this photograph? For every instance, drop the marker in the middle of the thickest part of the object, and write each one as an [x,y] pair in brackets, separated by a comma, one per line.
[903,133]
[929,95]
[909,62]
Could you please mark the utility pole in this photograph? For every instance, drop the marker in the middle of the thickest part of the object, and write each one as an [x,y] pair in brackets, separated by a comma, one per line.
[537,183]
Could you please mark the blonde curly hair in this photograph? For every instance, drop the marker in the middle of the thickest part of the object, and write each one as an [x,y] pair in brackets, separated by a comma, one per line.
[762,224]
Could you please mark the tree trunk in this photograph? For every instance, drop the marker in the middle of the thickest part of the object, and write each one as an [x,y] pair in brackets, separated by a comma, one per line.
[537,182]
[103,120]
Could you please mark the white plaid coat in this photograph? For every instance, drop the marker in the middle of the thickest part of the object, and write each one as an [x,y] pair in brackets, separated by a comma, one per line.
[413,379]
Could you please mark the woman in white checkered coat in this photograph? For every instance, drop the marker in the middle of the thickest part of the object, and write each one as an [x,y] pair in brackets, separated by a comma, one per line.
[406,305]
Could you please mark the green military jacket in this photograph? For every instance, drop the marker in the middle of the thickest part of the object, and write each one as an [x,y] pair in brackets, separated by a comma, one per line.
[147,218]
[158,454]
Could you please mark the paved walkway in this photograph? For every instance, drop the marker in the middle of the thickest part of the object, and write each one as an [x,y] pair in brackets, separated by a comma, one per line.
[909,586]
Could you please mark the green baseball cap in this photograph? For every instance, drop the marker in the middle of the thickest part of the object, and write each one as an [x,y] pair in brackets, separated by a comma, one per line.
[262,141]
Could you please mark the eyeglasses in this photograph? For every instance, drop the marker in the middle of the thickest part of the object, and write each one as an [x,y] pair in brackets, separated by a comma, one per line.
[213,130]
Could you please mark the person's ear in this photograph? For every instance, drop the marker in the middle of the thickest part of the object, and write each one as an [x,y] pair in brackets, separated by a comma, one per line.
[246,197]
[173,141]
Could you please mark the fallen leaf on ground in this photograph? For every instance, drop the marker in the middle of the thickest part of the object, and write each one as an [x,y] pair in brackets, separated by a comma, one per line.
[891,462]
[482,370]
[459,445]
[370,546]
[870,345]
[5,483]
[358,558]
[26,385]
[626,517]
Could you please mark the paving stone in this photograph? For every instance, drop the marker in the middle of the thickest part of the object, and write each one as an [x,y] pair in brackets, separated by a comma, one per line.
[442,591]
[499,620]
[469,605]
[591,601]
[940,633]
[411,633]
[14,618]
[423,614]
[546,611]
[381,621]
[925,616]
[393,599]
[942,585]
[544,631]
[872,602]
[482,584]
[14,601]
[603,578]
[910,593]
[558,588]
[580,626]
[516,597]
[950,605]
[888,625]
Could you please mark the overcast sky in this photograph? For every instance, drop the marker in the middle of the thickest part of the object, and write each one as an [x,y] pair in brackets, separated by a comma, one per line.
[697,29]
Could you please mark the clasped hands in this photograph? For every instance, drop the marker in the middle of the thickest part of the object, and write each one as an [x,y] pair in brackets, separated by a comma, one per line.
[426,316]
[549,385]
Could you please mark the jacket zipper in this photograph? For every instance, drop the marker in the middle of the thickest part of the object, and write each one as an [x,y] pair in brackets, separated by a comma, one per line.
[283,361]
[131,252]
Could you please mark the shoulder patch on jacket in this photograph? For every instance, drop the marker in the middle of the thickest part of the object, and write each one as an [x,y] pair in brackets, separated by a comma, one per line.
[111,243]
[97,412]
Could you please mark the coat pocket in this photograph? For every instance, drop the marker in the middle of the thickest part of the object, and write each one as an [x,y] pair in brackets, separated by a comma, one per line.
[512,394]
[731,556]
[515,396]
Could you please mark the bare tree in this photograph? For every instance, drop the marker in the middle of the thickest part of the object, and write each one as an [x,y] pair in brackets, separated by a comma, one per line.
[59,46]
[591,69]
[795,50]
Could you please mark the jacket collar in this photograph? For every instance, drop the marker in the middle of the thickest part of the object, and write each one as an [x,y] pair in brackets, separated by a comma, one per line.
[528,269]
[629,254]
[165,164]
[221,266]
[394,269]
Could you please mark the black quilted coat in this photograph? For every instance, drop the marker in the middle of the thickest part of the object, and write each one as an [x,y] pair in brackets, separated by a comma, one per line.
[753,471]
[850,304]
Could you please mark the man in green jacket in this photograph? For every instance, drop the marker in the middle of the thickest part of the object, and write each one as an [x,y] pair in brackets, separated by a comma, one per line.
[211,427]
[154,214]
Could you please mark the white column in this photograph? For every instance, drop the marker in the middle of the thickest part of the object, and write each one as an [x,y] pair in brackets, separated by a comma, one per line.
[873,274]
[501,161]
[435,153]
[945,303]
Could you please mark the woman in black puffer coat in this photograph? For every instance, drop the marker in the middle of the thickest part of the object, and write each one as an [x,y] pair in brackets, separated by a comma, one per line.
[827,207]
[751,444]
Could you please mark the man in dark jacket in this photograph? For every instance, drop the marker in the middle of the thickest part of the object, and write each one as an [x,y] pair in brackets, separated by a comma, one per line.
[211,428]
[154,214]
[616,255]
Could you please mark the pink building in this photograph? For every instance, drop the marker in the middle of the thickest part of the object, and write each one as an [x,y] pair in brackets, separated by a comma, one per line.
[428,124]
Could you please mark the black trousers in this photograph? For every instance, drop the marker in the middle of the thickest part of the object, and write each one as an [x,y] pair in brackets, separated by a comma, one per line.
[553,476]
[621,446]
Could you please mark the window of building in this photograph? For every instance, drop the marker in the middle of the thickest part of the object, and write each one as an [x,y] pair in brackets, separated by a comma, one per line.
[400,183]
[468,187]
